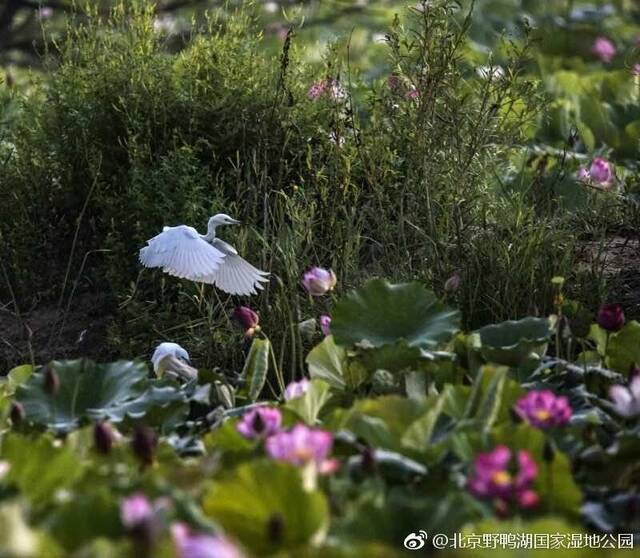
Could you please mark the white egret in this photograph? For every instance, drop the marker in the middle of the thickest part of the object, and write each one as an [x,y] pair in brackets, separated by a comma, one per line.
[182,252]
[173,360]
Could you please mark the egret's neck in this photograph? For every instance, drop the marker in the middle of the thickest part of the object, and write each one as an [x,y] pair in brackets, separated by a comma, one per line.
[211,231]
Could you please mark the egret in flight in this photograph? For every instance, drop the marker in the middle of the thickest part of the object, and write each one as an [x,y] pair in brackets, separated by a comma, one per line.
[182,252]
[172,360]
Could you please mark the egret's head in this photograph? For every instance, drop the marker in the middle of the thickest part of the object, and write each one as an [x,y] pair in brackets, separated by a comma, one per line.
[222,219]
[168,349]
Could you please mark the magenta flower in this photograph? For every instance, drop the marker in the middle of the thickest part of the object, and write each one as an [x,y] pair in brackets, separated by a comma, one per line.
[247,318]
[135,510]
[452,284]
[394,82]
[300,446]
[626,400]
[583,174]
[611,317]
[543,409]
[412,94]
[318,281]
[601,171]
[604,49]
[329,87]
[492,478]
[296,389]
[325,324]
[259,423]
[190,545]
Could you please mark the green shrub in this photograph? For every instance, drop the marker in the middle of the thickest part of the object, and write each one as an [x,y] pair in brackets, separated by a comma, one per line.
[397,179]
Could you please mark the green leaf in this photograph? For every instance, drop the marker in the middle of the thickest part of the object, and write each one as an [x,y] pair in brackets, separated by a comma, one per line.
[393,358]
[380,314]
[97,391]
[256,367]
[38,467]
[89,515]
[514,342]
[384,421]
[309,405]
[265,505]
[492,398]
[623,350]
[327,361]
[18,376]
[418,435]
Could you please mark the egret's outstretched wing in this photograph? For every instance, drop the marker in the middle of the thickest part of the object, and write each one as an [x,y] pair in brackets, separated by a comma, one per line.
[181,252]
[235,275]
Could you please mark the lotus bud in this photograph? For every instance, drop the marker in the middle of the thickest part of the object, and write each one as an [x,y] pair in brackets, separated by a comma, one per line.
[296,389]
[604,49]
[611,317]
[248,319]
[51,381]
[275,528]
[144,443]
[452,284]
[325,324]
[601,171]
[17,413]
[318,281]
[368,460]
[103,437]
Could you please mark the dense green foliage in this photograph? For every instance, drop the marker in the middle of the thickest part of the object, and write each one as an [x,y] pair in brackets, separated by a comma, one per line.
[421,177]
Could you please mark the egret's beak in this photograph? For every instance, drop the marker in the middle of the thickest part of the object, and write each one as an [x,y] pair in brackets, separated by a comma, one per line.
[235,222]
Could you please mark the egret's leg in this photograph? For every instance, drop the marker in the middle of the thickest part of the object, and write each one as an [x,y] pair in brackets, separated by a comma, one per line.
[200,296]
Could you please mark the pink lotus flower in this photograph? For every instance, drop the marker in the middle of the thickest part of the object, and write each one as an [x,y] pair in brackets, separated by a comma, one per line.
[611,317]
[492,478]
[301,446]
[604,49]
[296,389]
[190,545]
[325,324]
[543,409]
[318,281]
[635,69]
[135,510]
[260,422]
[626,400]
[601,171]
